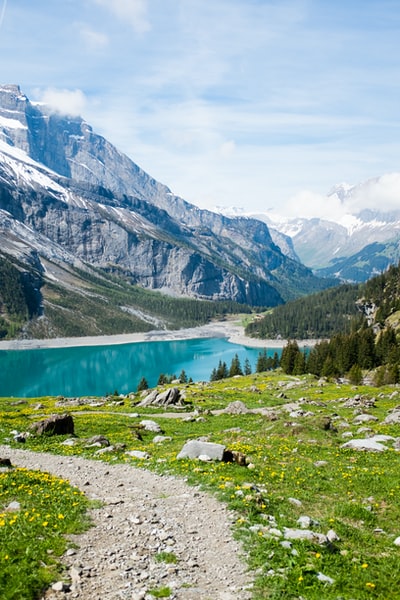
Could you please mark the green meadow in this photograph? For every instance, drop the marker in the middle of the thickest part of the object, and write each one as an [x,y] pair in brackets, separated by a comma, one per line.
[296,467]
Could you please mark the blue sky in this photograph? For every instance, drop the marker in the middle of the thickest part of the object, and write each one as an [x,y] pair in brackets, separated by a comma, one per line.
[251,103]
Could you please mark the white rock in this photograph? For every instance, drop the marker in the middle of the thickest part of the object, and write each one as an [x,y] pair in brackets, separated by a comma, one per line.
[397,541]
[369,444]
[275,532]
[364,418]
[332,536]
[150,425]
[304,522]
[295,501]
[304,534]
[138,454]
[325,578]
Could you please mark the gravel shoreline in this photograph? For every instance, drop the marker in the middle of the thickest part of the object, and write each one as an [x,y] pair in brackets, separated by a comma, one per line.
[233,331]
[141,515]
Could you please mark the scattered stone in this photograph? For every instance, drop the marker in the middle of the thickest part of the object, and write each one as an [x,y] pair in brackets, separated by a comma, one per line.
[325,578]
[69,442]
[393,418]
[54,425]
[14,506]
[194,449]
[274,531]
[397,541]
[332,536]
[295,502]
[150,425]
[306,522]
[106,450]
[160,439]
[304,534]
[98,440]
[60,586]
[368,444]
[320,463]
[236,408]
[364,418]
[359,401]
[138,454]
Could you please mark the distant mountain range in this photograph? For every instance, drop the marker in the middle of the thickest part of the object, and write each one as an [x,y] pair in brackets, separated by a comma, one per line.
[354,249]
[71,203]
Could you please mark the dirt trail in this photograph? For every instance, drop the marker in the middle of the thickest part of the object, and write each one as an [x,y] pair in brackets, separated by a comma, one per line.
[142,515]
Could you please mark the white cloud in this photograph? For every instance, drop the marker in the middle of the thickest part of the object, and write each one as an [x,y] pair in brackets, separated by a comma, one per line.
[227,148]
[68,102]
[382,194]
[132,11]
[94,40]
[309,204]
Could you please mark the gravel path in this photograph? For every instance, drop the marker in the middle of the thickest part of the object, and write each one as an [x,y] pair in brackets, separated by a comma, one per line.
[144,514]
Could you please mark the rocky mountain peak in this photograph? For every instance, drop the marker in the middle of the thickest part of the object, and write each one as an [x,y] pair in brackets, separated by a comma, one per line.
[72,189]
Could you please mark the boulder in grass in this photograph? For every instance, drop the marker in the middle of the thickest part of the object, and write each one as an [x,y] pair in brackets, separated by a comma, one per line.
[54,425]
[149,425]
[98,440]
[393,418]
[195,449]
[236,408]
[367,444]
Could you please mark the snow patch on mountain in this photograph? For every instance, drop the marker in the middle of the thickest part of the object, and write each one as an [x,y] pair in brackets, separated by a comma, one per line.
[11,123]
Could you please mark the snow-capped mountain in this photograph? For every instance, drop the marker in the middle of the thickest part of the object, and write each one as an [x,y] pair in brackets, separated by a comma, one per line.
[68,196]
[355,247]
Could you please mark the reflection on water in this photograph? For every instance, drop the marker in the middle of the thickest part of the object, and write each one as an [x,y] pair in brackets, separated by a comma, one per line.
[97,370]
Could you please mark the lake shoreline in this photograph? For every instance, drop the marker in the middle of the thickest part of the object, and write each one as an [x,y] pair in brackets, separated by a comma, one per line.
[229,329]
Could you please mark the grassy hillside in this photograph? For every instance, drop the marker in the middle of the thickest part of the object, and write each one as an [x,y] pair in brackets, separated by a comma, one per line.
[298,476]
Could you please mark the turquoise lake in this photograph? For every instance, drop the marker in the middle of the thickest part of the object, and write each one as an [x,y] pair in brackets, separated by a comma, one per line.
[98,370]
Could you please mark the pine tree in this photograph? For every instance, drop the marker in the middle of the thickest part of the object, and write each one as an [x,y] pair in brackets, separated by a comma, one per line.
[355,375]
[183,377]
[299,366]
[247,367]
[262,362]
[235,368]
[288,357]
[142,385]
[222,371]
[213,376]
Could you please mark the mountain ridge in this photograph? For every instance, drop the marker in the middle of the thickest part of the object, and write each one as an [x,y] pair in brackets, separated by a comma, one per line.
[71,197]
[353,248]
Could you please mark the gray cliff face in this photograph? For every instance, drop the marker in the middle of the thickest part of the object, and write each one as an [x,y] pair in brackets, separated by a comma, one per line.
[98,207]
